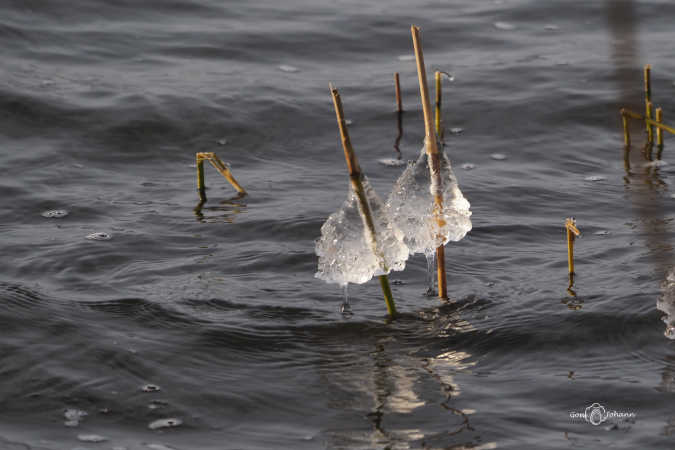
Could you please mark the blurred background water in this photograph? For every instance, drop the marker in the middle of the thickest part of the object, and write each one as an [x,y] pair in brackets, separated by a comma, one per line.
[103,105]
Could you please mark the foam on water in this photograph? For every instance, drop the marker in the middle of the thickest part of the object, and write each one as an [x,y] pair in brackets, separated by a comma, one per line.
[411,207]
[347,253]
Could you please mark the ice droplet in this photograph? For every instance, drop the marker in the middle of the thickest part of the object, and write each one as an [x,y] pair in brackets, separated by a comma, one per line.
[165,423]
[347,252]
[55,214]
[504,26]
[411,207]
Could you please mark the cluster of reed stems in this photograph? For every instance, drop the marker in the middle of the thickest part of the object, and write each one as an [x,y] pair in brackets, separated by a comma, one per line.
[432,126]
[650,118]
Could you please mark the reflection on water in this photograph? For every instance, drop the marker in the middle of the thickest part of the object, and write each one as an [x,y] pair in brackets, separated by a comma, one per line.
[226,212]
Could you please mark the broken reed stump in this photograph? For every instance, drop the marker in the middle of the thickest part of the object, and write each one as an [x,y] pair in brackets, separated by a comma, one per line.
[399,104]
[571,231]
[220,167]
[431,147]
[356,178]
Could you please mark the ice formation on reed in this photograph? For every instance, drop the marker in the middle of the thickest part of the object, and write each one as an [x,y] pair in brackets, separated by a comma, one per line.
[666,303]
[346,249]
[411,207]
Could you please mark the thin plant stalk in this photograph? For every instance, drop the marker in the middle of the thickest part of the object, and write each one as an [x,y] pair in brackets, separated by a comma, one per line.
[659,131]
[439,95]
[572,231]
[399,103]
[201,186]
[648,115]
[626,131]
[648,100]
[431,147]
[356,178]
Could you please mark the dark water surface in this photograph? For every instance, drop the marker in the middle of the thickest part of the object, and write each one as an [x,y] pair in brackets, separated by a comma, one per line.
[103,105]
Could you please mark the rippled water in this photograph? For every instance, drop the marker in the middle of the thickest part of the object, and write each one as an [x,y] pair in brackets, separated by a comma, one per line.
[103,106]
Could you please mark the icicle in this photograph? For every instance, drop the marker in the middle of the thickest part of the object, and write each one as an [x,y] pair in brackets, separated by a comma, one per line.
[346,307]
[431,273]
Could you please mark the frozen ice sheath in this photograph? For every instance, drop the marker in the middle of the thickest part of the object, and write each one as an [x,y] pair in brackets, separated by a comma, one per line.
[413,210]
[359,241]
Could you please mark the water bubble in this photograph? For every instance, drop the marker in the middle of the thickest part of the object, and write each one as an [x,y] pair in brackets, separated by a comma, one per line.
[348,121]
[468,166]
[91,438]
[397,282]
[595,178]
[601,233]
[504,26]
[406,57]
[391,162]
[165,423]
[222,141]
[456,130]
[55,213]
[288,69]
[498,156]
[150,388]
[551,27]
[99,236]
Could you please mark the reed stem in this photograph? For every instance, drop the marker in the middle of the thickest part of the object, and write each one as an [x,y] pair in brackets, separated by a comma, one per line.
[431,147]
[572,231]
[626,130]
[356,177]
[659,131]
[399,103]
[648,100]
[439,95]
[201,187]
[650,129]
